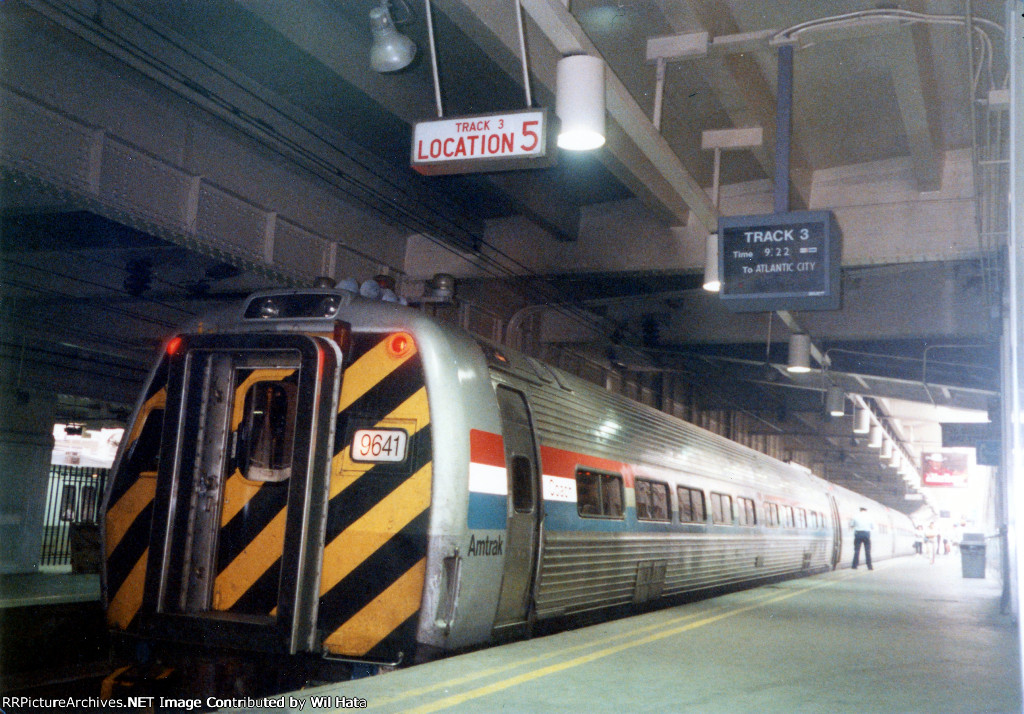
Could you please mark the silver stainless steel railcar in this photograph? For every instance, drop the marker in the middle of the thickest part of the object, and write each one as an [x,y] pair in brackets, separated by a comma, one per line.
[311,475]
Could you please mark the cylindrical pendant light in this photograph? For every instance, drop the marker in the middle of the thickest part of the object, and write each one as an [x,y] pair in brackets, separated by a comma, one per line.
[835,401]
[897,459]
[875,440]
[886,452]
[799,353]
[862,421]
[579,102]
[712,283]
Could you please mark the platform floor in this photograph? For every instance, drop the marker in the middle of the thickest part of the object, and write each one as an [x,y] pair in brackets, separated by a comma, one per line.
[48,587]
[908,636]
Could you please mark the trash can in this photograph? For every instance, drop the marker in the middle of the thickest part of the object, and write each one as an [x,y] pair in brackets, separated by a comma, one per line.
[84,539]
[972,555]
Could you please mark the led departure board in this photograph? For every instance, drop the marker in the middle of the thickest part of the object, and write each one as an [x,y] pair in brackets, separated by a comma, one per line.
[780,261]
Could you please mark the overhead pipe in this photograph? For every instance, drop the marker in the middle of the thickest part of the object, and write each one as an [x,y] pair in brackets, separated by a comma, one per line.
[659,95]
[433,59]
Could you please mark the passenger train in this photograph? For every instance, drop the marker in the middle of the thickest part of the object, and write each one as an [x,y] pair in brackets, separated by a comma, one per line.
[312,477]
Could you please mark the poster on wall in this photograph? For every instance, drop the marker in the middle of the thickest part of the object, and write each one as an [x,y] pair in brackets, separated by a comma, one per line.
[945,469]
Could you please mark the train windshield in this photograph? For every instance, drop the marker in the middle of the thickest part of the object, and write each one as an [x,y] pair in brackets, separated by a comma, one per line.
[265,441]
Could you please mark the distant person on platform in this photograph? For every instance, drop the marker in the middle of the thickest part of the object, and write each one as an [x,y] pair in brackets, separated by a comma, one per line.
[862,527]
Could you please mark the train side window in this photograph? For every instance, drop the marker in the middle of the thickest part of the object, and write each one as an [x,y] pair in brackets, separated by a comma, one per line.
[801,518]
[611,495]
[721,508]
[746,511]
[787,516]
[691,505]
[598,494]
[269,431]
[642,489]
[651,500]
[771,514]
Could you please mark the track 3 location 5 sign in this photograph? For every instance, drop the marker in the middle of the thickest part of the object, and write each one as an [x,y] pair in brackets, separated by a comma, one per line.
[484,142]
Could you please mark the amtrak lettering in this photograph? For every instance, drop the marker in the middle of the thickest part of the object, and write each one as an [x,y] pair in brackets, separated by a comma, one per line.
[487,546]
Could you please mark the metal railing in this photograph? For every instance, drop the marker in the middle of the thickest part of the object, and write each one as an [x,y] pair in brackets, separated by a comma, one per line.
[73,497]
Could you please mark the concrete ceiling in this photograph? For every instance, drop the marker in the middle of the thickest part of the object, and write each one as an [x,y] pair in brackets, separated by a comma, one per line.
[272,96]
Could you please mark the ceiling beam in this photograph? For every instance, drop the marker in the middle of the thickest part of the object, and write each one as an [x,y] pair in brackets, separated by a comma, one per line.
[531,194]
[913,81]
[736,78]
[635,151]
[565,33]
[221,90]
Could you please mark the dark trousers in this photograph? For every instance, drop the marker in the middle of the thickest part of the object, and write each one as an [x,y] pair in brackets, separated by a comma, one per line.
[862,538]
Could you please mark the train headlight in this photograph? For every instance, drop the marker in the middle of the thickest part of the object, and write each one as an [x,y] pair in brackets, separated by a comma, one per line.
[328,306]
[269,308]
[294,306]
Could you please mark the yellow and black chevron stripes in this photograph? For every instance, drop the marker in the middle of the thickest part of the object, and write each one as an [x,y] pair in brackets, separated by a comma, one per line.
[257,558]
[408,415]
[374,557]
[372,531]
[369,370]
[130,507]
[252,525]
[384,614]
[157,401]
[125,603]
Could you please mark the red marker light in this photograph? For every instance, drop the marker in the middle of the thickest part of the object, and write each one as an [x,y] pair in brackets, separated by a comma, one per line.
[400,344]
[174,345]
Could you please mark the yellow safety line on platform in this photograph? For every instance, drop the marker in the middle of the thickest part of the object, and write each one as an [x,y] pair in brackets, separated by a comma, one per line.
[448,683]
[483,691]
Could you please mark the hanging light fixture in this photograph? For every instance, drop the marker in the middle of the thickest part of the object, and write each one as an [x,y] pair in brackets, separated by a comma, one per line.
[909,472]
[712,282]
[886,452]
[799,353]
[862,420]
[897,459]
[875,439]
[391,50]
[835,401]
[579,102]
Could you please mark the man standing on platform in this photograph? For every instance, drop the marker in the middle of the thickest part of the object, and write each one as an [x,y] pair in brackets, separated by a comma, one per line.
[862,527]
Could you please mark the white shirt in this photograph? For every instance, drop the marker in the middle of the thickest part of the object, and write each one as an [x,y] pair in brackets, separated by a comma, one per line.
[862,522]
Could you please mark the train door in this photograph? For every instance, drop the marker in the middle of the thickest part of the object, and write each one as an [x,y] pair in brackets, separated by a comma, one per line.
[238,532]
[523,508]
[837,532]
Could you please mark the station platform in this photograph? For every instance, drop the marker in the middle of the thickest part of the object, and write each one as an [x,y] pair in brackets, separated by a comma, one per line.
[48,587]
[52,632]
[909,636]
